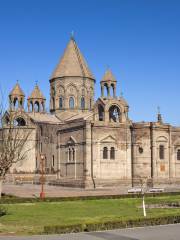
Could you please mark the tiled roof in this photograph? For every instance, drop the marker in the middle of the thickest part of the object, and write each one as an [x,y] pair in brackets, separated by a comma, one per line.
[72,63]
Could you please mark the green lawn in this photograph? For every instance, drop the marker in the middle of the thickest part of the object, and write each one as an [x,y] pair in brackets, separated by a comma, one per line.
[30,218]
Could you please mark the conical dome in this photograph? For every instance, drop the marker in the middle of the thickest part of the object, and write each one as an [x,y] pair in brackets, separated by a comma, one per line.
[72,63]
[108,76]
[17,91]
[36,94]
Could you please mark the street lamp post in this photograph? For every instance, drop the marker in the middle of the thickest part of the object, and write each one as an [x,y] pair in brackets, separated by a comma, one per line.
[42,178]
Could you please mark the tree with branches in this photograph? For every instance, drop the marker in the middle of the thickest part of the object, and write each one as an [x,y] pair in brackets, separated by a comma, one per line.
[14,139]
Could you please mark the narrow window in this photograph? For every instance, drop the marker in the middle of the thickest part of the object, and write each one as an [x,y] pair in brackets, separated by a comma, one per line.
[71,102]
[105,153]
[112,153]
[178,154]
[90,103]
[41,130]
[53,161]
[101,113]
[36,107]
[60,103]
[73,155]
[161,152]
[41,147]
[36,163]
[82,103]
[70,157]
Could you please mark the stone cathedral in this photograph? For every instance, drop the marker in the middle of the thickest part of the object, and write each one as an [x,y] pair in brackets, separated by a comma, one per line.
[92,143]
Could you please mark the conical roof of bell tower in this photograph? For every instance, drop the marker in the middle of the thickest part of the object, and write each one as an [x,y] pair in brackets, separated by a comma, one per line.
[36,93]
[72,63]
[17,91]
[108,76]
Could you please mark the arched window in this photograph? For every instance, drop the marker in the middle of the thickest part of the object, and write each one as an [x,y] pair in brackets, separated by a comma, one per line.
[82,103]
[112,153]
[114,114]
[161,151]
[105,153]
[60,103]
[31,107]
[21,102]
[106,92]
[112,90]
[71,102]
[19,122]
[36,107]
[15,103]
[101,113]
[178,154]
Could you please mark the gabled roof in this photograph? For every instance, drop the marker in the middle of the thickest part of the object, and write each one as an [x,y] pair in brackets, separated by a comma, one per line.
[108,76]
[36,94]
[17,90]
[72,63]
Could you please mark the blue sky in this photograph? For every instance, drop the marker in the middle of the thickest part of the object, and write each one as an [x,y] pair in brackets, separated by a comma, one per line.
[138,40]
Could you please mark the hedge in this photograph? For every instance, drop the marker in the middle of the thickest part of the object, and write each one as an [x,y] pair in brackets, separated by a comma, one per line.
[11,200]
[108,225]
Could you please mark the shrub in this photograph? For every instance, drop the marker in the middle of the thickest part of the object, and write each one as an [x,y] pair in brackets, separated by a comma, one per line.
[111,225]
[3,211]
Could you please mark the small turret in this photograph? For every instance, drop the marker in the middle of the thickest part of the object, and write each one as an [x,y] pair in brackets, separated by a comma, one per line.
[16,98]
[108,82]
[36,101]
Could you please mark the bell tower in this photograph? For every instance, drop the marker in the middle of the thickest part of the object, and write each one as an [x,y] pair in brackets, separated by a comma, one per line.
[108,83]
[16,98]
[36,101]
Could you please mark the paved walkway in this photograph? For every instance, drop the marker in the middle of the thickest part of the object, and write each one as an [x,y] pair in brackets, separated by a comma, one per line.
[166,232]
[31,190]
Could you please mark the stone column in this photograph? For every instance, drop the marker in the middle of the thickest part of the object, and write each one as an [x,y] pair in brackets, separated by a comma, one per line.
[114,91]
[102,90]
[88,181]
[108,90]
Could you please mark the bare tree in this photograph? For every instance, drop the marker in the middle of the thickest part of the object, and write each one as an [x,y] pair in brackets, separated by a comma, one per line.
[13,141]
[143,181]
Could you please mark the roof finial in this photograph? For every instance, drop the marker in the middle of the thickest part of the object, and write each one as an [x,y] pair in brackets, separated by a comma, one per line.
[159,116]
[17,81]
[121,93]
[36,82]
